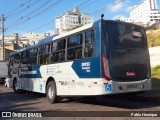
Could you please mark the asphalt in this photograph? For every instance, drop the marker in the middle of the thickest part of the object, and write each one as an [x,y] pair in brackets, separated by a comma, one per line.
[153,93]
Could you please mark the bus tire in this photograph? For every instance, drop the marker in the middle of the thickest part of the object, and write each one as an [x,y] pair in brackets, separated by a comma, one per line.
[15,87]
[51,92]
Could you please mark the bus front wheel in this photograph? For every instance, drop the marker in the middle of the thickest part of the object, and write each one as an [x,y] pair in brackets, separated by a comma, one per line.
[15,86]
[51,92]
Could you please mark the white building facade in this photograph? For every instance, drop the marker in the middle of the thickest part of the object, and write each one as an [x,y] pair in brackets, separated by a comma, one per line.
[145,12]
[124,19]
[72,19]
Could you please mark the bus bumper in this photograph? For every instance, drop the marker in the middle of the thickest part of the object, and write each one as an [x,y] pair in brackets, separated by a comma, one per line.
[114,87]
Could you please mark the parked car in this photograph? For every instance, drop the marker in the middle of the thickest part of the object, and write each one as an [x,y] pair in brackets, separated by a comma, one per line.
[3,70]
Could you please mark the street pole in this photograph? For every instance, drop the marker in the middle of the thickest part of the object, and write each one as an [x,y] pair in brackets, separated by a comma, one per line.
[2,29]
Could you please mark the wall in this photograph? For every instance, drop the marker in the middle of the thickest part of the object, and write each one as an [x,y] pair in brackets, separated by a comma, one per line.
[7,54]
[154,56]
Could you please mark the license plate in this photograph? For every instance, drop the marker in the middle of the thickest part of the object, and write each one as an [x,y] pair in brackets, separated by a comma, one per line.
[131,86]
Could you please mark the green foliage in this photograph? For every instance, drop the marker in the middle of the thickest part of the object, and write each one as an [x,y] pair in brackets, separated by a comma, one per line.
[153,36]
[155,27]
[155,72]
[155,77]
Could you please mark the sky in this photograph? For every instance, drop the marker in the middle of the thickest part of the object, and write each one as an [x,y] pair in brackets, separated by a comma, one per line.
[38,16]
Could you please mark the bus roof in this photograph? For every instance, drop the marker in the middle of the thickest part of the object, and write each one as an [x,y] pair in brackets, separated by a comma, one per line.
[64,34]
[54,37]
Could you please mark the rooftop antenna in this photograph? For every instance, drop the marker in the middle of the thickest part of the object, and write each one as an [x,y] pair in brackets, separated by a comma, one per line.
[102,15]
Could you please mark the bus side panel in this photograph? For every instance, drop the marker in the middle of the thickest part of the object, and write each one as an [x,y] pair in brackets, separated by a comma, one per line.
[29,77]
[59,73]
[83,73]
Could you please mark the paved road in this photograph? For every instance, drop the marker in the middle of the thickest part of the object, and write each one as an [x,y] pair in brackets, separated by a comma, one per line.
[9,101]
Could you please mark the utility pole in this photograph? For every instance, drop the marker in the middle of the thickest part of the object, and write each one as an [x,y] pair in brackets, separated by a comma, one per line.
[2,29]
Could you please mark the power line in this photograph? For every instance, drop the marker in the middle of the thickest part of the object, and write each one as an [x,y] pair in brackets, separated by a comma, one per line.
[18,8]
[95,12]
[48,23]
[24,9]
[89,4]
[27,16]
[44,25]
[49,7]
[83,3]
[24,19]
[37,14]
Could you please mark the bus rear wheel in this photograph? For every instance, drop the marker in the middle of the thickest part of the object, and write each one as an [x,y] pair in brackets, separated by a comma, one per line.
[51,92]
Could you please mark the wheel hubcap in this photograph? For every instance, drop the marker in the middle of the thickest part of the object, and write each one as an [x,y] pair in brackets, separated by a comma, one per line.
[16,86]
[50,92]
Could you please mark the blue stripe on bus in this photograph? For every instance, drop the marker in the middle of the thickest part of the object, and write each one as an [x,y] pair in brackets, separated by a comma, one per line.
[87,68]
[33,72]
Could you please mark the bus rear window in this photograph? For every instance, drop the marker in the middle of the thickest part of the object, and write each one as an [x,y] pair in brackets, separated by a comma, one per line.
[125,36]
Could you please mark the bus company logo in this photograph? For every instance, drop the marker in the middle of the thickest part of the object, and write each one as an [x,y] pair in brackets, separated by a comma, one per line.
[29,72]
[72,83]
[65,83]
[24,69]
[130,74]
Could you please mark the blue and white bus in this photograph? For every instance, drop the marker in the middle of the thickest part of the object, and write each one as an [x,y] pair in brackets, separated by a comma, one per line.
[105,57]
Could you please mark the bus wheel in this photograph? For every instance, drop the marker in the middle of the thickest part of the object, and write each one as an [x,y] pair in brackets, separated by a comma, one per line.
[51,92]
[15,86]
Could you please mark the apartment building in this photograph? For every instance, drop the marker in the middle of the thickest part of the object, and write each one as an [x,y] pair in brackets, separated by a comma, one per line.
[71,19]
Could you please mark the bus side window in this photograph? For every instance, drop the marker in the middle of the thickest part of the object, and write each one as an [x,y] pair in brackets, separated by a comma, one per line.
[62,56]
[89,43]
[74,53]
[74,50]
[55,57]
[33,56]
[46,54]
[16,60]
[41,55]
[58,51]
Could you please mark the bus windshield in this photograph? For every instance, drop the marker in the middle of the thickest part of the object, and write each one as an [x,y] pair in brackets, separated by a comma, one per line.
[125,36]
